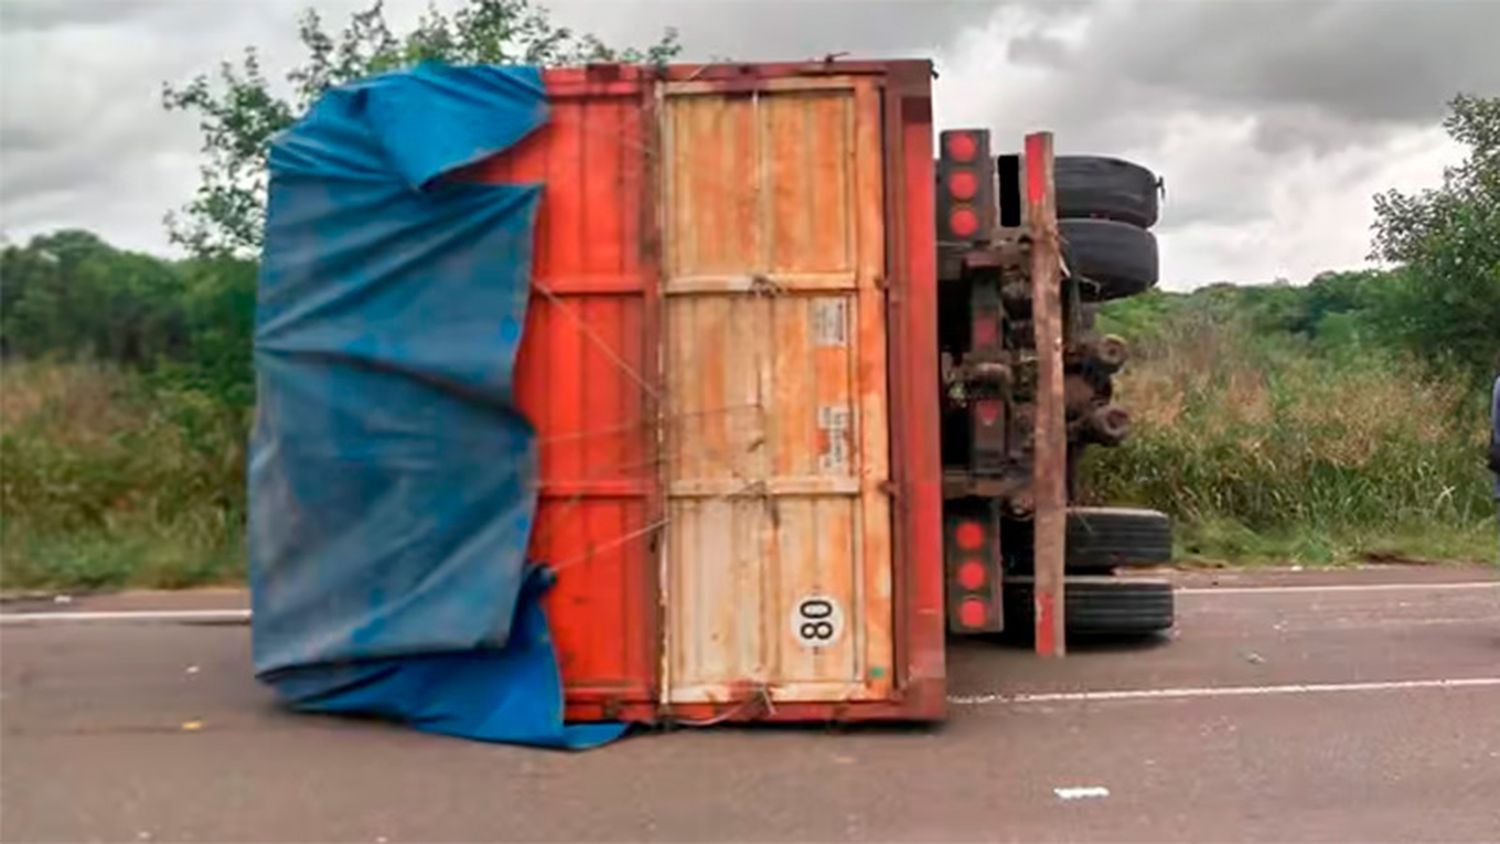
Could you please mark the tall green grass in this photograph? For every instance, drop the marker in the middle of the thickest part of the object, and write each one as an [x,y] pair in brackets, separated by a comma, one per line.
[108,479]
[1265,449]
[1271,449]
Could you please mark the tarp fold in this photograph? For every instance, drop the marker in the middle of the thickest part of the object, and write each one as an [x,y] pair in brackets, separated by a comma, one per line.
[392,480]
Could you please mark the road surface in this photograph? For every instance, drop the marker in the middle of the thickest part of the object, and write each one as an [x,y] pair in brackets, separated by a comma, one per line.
[1314,707]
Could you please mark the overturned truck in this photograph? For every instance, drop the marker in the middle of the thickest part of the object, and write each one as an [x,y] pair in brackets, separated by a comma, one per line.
[682,394]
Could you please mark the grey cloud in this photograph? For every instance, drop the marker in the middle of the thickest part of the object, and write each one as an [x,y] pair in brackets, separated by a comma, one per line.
[1268,174]
[1367,61]
[22,137]
[782,29]
[1225,99]
[44,15]
[1291,128]
[84,140]
[1038,50]
[1312,76]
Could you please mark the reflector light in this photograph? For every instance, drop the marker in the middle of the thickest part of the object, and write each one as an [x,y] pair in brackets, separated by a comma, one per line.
[961,146]
[984,332]
[969,536]
[988,411]
[963,222]
[971,575]
[963,184]
[971,613]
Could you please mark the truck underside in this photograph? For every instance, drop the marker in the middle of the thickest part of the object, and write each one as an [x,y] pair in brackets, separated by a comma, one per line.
[989,381]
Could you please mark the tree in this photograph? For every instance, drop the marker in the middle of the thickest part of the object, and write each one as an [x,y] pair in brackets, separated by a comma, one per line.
[1444,303]
[239,113]
[71,294]
[219,313]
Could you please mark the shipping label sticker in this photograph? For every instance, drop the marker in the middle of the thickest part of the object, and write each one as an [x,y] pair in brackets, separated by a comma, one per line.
[830,321]
[834,422]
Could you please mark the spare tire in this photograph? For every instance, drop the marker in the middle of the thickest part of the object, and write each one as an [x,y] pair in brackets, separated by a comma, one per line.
[1111,259]
[1100,606]
[1108,188]
[1102,538]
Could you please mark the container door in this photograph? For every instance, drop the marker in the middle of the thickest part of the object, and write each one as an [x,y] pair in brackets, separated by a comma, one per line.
[777,559]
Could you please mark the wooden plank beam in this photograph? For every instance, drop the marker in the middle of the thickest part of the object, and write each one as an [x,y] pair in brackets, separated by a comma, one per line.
[1050,455]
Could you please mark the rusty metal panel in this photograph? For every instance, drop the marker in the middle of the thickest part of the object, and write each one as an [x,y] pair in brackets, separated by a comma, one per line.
[583,378]
[594,359]
[777,567]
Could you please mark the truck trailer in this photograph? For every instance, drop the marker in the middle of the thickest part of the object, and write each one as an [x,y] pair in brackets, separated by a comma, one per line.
[781,362]
[679,394]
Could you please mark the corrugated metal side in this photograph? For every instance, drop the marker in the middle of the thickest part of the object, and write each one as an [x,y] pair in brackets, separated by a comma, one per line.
[778,566]
[593,338]
[584,373]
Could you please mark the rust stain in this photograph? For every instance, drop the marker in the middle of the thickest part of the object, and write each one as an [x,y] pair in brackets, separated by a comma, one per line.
[779,554]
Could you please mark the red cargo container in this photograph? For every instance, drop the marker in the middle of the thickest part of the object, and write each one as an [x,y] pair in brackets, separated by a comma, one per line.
[730,359]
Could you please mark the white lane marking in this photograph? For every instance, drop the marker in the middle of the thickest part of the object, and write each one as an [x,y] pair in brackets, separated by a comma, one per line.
[1335,587]
[244,614]
[124,615]
[1079,792]
[1221,691]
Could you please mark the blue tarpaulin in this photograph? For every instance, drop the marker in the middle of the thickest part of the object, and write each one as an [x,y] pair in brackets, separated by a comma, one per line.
[392,480]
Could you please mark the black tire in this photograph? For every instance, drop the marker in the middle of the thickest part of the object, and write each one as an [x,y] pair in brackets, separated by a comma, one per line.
[1097,606]
[1103,538]
[1106,188]
[1110,259]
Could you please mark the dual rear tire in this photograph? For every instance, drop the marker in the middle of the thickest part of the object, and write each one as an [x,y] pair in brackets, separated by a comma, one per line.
[1097,605]
[1104,206]
[1100,542]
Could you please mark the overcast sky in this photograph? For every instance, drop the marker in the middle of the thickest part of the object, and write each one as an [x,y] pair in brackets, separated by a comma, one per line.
[1273,123]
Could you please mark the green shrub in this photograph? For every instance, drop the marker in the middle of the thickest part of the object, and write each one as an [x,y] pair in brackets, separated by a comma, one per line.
[107,482]
[1268,447]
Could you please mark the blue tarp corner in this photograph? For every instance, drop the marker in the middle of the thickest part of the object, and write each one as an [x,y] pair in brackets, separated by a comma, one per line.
[392,480]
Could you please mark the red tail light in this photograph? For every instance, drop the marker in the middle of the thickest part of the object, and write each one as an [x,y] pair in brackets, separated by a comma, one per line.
[973,565]
[969,536]
[963,185]
[984,332]
[987,411]
[962,147]
[972,613]
[963,222]
[971,575]
[966,210]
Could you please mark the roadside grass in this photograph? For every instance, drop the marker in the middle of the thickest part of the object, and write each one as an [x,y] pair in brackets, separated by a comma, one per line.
[109,480]
[1266,451]
[1226,542]
[1269,450]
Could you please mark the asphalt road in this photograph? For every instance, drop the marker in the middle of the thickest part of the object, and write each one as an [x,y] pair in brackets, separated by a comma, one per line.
[1306,711]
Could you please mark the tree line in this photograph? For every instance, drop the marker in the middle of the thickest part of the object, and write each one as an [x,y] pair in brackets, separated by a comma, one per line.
[70,295]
